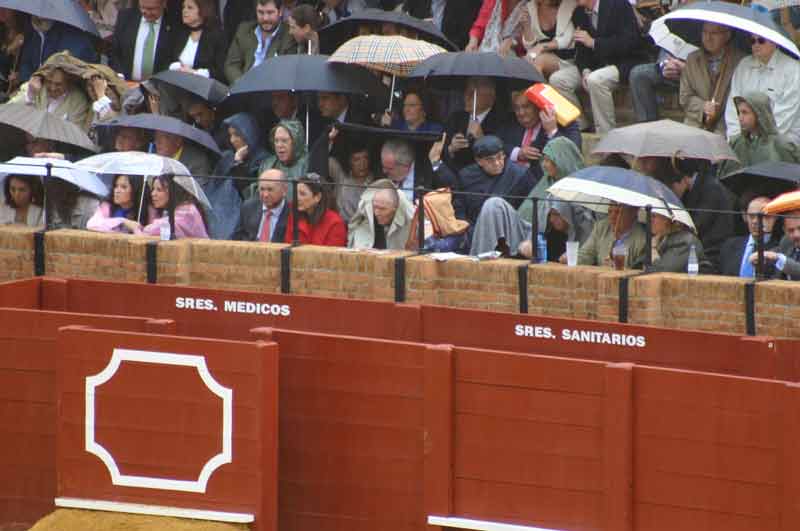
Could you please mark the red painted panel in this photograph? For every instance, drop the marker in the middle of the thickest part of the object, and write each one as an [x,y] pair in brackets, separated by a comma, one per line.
[651,517]
[171,439]
[20,294]
[234,320]
[712,352]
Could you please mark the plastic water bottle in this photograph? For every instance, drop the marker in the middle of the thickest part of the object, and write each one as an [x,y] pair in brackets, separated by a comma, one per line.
[693,267]
[165,233]
[541,248]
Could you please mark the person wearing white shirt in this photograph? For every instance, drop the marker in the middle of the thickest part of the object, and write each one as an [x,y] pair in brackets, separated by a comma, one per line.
[397,163]
[777,75]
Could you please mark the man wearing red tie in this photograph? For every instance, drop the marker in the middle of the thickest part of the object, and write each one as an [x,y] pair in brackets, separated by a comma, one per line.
[265,218]
[525,138]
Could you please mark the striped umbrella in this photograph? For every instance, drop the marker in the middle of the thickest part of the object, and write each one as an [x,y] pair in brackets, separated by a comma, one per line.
[394,55]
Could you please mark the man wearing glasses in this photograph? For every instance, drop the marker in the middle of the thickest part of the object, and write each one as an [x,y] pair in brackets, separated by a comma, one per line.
[777,75]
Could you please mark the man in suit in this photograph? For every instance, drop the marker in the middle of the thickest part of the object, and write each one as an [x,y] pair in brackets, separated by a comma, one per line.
[257,40]
[265,218]
[734,257]
[187,153]
[142,43]
[462,128]
[525,138]
[46,37]
[607,46]
[787,257]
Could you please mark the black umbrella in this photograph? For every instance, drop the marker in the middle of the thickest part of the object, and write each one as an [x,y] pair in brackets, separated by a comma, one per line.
[447,68]
[766,178]
[308,73]
[69,12]
[334,35]
[209,90]
[166,124]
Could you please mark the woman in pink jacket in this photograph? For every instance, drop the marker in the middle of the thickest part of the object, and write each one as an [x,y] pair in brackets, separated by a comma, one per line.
[190,219]
[119,211]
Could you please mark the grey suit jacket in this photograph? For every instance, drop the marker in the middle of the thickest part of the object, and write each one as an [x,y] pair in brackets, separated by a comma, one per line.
[791,271]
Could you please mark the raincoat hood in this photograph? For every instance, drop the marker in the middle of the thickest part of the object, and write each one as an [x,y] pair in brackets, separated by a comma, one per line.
[762,107]
[565,154]
[298,134]
[247,127]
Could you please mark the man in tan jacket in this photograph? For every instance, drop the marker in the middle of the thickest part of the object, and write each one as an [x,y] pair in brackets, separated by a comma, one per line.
[706,78]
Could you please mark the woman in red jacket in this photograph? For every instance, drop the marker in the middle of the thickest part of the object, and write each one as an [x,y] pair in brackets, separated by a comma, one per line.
[317,224]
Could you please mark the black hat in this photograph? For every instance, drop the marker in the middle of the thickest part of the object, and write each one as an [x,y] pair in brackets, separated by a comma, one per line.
[487,146]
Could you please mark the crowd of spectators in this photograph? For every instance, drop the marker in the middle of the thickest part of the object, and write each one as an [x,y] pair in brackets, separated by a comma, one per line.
[284,157]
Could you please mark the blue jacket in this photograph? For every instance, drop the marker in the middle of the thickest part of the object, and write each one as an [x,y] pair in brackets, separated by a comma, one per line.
[59,38]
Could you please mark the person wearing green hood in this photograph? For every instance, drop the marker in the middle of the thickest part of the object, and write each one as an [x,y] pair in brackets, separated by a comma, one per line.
[560,157]
[288,143]
[759,140]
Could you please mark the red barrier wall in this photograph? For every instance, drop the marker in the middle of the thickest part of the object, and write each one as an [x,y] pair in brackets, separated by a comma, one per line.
[28,402]
[353,432]
[161,423]
[231,314]
[20,294]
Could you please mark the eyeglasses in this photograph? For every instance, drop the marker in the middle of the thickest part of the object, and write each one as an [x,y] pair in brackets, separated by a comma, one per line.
[758,40]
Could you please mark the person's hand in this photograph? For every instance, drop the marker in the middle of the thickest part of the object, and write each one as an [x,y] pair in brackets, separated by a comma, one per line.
[472,45]
[458,143]
[562,259]
[672,68]
[435,154]
[98,85]
[538,49]
[474,128]
[505,47]
[334,132]
[769,256]
[585,79]
[547,117]
[529,153]
[154,101]
[386,119]
[525,248]
[35,85]
[710,109]
[583,37]
[241,154]
[131,225]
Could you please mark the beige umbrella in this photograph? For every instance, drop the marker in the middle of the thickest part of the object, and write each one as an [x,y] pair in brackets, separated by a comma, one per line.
[666,138]
[393,55]
[41,124]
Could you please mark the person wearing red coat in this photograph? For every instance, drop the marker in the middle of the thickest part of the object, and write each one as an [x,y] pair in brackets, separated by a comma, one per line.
[317,224]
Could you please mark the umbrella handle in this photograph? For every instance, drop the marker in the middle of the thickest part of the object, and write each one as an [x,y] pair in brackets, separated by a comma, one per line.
[141,199]
[391,94]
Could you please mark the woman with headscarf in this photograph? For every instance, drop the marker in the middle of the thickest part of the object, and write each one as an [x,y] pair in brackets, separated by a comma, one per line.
[498,219]
[288,142]
[120,210]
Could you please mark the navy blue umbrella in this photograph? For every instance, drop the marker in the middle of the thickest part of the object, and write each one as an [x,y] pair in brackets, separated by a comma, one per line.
[445,69]
[166,124]
[70,12]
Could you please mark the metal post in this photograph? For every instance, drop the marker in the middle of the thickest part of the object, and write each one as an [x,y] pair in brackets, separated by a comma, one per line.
[171,208]
[49,168]
[421,219]
[760,248]
[295,215]
[535,231]
[648,242]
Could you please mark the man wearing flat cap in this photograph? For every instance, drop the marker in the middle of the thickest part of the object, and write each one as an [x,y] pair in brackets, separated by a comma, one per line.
[491,174]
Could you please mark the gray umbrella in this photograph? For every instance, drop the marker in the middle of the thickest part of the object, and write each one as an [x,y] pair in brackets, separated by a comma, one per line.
[166,124]
[70,12]
[666,138]
[45,125]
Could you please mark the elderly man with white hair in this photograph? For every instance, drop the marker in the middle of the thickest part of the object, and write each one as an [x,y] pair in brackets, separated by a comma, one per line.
[383,218]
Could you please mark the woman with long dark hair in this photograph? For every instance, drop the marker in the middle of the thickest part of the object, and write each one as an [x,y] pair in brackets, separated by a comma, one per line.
[190,221]
[24,197]
[68,207]
[120,210]
[317,224]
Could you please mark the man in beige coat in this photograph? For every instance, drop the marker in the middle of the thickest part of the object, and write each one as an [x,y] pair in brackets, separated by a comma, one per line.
[706,78]
[383,218]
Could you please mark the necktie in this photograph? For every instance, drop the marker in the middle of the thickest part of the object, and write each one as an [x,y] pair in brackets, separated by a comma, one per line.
[746,268]
[266,226]
[148,54]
